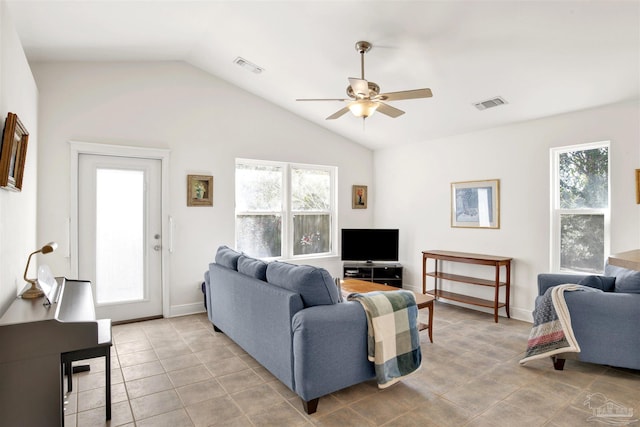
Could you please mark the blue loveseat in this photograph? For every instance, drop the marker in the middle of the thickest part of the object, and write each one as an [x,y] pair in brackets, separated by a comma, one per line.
[605,323]
[291,320]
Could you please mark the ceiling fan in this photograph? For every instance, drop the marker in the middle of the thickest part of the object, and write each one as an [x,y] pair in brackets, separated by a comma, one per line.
[365,97]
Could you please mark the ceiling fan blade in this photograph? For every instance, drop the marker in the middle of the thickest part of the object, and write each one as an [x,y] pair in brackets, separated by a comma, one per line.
[323,99]
[389,110]
[338,113]
[360,87]
[405,94]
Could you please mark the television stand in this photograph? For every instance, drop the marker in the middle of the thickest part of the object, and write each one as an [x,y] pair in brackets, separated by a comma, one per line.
[383,273]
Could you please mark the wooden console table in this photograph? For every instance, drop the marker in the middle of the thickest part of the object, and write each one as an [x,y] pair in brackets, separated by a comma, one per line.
[480,259]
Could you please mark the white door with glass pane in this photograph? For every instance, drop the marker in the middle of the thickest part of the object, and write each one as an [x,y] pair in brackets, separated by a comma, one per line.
[119,234]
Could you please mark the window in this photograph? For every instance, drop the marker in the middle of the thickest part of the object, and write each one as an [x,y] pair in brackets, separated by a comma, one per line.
[285,210]
[580,207]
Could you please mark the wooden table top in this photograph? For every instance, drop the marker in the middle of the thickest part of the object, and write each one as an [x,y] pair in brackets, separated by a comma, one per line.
[465,255]
[350,286]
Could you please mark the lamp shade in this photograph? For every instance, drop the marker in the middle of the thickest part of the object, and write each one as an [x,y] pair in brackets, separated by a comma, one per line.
[363,108]
[49,247]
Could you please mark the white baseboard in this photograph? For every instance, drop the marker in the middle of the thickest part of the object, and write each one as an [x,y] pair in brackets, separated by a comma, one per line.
[186,309]
[522,314]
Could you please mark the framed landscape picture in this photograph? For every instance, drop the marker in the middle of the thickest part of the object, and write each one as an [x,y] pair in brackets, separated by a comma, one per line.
[475,204]
[199,190]
[13,153]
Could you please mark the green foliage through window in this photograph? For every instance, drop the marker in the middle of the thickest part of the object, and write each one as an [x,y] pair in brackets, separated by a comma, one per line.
[584,178]
[582,242]
[583,201]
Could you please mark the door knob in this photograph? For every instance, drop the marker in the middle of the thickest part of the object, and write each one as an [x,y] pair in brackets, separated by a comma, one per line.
[157,248]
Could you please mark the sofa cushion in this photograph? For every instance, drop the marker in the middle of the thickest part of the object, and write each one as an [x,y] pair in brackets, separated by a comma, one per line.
[627,281]
[314,285]
[604,283]
[252,267]
[227,257]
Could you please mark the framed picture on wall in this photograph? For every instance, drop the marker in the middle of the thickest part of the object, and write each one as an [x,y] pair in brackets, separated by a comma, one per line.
[638,186]
[199,190]
[359,197]
[13,153]
[475,204]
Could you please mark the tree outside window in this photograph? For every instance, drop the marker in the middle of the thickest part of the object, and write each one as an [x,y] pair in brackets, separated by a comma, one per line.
[581,207]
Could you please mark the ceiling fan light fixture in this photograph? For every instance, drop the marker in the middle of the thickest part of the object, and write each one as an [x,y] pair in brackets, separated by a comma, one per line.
[363,108]
[365,97]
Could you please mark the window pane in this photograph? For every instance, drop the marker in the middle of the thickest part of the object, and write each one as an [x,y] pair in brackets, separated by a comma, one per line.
[119,235]
[584,178]
[259,235]
[310,190]
[311,234]
[258,188]
[582,243]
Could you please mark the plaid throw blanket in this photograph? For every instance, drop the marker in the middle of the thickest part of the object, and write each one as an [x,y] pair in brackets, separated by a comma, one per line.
[393,340]
[552,332]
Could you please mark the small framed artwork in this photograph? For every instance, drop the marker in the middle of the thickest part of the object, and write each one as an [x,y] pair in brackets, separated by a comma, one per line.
[199,190]
[13,153]
[359,197]
[475,204]
[638,186]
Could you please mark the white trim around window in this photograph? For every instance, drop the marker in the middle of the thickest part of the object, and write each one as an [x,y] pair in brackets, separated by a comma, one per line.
[557,213]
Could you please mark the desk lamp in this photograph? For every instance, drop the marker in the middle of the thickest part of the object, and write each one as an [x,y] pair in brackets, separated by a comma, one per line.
[34,291]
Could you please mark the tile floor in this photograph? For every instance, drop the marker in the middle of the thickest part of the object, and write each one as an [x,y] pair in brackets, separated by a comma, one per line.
[178,372]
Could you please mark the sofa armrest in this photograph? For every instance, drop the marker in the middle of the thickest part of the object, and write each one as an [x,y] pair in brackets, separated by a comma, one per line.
[548,280]
[603,324]
[256,316]
[330,349]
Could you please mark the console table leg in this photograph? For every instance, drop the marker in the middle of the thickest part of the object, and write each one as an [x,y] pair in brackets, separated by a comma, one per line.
[508,286]
[496,297]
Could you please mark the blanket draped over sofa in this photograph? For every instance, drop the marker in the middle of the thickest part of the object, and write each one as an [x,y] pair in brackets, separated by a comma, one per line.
[392,337]
[552,332]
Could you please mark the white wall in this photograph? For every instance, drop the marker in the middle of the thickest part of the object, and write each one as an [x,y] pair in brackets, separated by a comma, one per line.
[19,95]
[206,123]
[412,190]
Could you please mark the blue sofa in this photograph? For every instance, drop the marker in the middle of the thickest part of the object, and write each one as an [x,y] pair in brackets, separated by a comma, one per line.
[605,323]
[289,318]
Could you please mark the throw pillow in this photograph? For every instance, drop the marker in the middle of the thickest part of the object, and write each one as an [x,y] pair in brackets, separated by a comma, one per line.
[314,285]
[627,281]
[604,283]
[227,257]
[252,267]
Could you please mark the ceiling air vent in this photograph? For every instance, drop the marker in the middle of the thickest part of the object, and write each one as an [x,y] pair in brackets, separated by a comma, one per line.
[248,65]
[490,103]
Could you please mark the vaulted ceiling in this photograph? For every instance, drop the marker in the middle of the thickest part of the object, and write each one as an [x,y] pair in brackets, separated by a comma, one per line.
[542,57]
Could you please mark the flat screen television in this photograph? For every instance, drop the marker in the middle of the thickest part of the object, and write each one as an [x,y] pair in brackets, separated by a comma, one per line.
[369,244]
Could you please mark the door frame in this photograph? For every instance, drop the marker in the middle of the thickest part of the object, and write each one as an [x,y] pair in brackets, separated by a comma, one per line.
[76,149]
